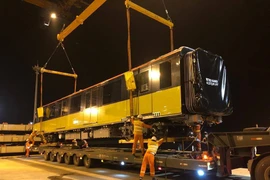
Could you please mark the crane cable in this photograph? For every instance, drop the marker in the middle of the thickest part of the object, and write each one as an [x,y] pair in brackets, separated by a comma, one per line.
[171,28]
[45,65]
[67,57]
[62,45]
[166,11]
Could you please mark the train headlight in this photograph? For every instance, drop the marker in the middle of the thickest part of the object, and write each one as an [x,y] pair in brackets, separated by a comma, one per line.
[200,172]
[122,163]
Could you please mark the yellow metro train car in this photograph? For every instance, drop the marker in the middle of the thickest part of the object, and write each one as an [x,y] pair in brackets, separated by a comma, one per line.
[182,88]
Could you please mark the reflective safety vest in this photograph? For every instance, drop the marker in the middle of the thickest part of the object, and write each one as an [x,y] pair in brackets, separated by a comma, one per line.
[152,147]
[138,127]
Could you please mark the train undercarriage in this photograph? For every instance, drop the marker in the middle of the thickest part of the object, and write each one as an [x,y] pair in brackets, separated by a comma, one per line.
[174,129]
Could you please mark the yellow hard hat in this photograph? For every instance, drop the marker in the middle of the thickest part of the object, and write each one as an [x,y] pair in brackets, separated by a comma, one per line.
[154,138]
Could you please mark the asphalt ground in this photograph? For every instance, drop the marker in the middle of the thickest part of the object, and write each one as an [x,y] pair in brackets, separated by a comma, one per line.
[36,168]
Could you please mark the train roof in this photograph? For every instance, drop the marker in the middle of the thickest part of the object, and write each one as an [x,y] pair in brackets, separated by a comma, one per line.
[133,69]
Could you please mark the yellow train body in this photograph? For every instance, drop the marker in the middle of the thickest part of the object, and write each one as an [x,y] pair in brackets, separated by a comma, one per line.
[161,103]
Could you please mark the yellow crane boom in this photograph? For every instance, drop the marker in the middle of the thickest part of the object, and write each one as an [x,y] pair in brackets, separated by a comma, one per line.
[42,70]
[148,13]
[80,19]
[95,5]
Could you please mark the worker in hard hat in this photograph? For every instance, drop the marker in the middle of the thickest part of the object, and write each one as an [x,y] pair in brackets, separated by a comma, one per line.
[138,133]
[149,157]
[28,145]
[74,143]
[84,144]
[32,136]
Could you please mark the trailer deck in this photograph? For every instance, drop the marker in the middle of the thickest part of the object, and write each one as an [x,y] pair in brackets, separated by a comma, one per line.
[90,157]
[234,150]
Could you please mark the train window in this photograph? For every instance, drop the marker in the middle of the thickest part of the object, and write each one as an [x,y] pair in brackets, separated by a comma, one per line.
[112,92]
[116,91]
[57,109]
[64,108]
[94,96]
[107,89]
[87,99]
[75,104]
[52,112]
[165,75]
[49,112]
[137,82]
[144,81]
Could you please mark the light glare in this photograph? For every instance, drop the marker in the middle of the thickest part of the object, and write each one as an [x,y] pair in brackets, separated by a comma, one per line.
[200,172]
[75,121]
[154,75]
[53,15]
[92,110]
[205,157]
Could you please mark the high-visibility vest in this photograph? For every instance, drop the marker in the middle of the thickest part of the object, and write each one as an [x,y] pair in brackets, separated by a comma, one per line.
[152,147]
[138,127]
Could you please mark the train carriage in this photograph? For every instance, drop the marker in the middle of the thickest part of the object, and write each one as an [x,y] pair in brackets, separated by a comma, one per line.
[180,89]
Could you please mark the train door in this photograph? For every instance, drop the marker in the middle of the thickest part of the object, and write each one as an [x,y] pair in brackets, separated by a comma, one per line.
[60,123]
[165,78]
[64,110]
[86,111]
[154,77]
[143,103]
[91,109]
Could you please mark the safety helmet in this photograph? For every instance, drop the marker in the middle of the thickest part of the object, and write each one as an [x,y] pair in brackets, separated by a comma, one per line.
[140,116]
[154,138]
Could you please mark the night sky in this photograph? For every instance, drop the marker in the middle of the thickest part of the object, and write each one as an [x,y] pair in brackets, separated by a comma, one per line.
[239,31]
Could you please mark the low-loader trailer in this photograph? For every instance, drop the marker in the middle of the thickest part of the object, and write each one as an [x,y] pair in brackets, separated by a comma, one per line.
[226,151]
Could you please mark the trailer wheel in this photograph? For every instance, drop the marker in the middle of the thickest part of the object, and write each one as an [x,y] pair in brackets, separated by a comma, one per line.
[59,158]
[87,162]
[52,157]
[77,161]
[262,169]
[46,156]
[68,159]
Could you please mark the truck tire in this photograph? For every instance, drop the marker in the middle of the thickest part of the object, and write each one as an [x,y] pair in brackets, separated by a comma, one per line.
[77,161]
[262,169]
[52,157]
[59,158]
[68,159]
[46,156]
[87,162]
